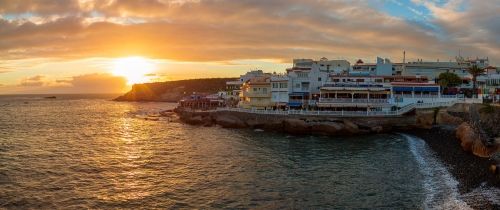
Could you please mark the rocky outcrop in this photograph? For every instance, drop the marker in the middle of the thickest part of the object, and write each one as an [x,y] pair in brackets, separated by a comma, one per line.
[228,121]
[471,142]
[328,128]
[425,119]
[296,126]
[444,118]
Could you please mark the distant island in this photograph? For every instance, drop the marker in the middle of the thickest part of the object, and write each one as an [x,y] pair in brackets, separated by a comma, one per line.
[173,91]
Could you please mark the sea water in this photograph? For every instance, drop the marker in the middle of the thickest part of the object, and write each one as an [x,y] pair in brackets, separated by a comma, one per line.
[80,151]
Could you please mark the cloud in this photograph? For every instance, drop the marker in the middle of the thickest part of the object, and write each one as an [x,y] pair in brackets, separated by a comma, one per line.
[87,83]
[35,81]
[94,83]
[223,30]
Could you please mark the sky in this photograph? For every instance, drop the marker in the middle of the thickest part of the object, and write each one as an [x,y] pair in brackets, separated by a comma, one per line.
[104,46]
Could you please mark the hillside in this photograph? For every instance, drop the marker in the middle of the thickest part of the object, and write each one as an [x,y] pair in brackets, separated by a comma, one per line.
[172,91]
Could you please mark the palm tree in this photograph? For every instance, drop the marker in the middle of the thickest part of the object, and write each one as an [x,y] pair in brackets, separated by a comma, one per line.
[475,71]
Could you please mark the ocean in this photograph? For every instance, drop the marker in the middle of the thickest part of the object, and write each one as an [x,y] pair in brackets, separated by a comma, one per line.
[86,151]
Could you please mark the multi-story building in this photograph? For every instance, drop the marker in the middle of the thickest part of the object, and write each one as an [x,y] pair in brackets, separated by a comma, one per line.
[375,93]
[256,93]
[279,91]
[233,88]
[489,83]
[307,76]
[383,67]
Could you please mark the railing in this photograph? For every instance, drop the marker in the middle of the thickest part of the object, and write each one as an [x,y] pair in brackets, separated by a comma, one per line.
[350,100]
[401,111]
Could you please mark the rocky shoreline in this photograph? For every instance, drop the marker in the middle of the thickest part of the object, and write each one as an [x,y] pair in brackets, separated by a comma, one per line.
[468,169]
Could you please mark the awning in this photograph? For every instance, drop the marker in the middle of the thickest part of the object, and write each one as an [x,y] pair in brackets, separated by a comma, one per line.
[295,104]
[428,89]
[409,89]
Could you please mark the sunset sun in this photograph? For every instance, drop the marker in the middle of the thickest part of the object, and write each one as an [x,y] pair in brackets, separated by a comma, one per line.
[134,69]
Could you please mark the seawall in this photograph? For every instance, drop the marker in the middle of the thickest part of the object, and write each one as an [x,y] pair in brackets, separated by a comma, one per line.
[301,124]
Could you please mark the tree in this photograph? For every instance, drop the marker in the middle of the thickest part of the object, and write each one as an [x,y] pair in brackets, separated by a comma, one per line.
[448,79]
[475,71]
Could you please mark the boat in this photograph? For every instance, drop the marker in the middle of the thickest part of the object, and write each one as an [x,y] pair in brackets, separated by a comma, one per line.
[50,97]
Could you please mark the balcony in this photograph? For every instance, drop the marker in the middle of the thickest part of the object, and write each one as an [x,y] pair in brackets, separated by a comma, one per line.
[256,94]
[350,100]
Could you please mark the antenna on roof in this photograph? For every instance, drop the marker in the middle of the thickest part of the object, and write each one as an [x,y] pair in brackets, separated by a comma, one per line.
[404,61]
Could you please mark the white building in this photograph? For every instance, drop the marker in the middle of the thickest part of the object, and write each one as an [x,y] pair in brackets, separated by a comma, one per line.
[279,90]
[383,67]
[307,76]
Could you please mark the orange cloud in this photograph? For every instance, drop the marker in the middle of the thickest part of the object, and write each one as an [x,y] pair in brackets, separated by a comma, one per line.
[222,30]
[88,83]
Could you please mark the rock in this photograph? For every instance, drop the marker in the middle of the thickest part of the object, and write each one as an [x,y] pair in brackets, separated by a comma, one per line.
[328,128]
[466,136]
[470,141]
[377,129]
[228,121]
[195,120]
[444,118]
[424,119]
[296,126]
[253,123]
[351,127]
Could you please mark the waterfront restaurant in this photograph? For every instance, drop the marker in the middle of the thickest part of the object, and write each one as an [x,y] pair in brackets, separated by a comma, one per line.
[354,98]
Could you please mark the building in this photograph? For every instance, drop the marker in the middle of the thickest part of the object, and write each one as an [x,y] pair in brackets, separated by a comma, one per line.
[375,93]
[233,88]
[279,91]
[307,76]
[256,93]
[383,67]
[432,69]
[489,83]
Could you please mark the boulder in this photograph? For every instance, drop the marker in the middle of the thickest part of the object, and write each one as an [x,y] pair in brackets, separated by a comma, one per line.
[444,118]
[470,141]
[351,127]
[424,119]
[466,136]
[296,126]
[228,121]
[194,120]
[377,129]
[328,128]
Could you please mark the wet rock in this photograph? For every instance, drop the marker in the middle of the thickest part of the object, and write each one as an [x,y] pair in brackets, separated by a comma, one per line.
[470,141]
[328,128]
[351,127]
[228,121]
[425,119]
[444,118]
[377,129]
[296,126]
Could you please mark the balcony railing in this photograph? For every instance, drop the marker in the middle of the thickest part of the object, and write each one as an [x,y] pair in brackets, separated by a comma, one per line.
[350,100]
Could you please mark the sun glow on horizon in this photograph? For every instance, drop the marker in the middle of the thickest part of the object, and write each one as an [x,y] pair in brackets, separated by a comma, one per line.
[134,69]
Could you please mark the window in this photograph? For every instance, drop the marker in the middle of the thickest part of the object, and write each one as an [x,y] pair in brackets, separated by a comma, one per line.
[275,85]
[319,79]
[297,85]
[378,80]
[264,90]
[302,74]
[283,85]
[335,80]
[255,89]
[360,80]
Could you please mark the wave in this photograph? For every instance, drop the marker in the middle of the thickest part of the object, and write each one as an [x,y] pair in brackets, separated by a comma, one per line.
[440,187]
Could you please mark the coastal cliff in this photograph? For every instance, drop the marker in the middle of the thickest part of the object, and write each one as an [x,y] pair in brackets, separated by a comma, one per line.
[173,91]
